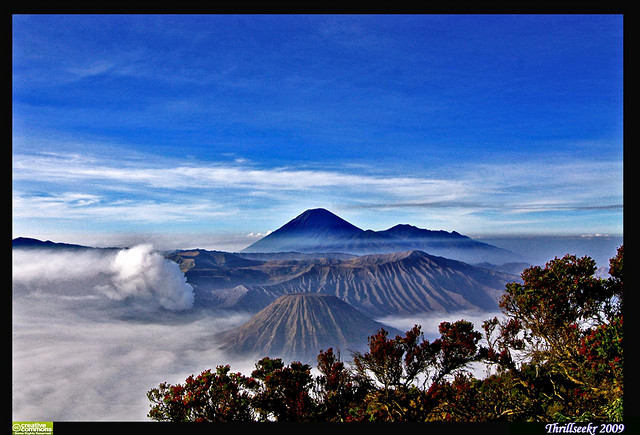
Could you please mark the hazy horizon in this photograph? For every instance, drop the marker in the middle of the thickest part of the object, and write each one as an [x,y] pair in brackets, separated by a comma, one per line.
[536,248]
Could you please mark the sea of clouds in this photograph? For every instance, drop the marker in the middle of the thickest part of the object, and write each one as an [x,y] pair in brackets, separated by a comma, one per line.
[94,330]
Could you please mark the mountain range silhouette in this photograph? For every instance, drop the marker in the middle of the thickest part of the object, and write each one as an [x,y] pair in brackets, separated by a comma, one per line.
[319,230]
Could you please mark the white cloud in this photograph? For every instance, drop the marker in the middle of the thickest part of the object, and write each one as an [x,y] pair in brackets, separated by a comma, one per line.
[94,68]
[74,205]
[258,235]
[71,168]
[582,179]
[155,190]
[93,331]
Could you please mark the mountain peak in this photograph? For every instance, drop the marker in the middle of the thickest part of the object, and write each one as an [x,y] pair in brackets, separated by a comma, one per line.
[298,326]
[318,210]
[318,230]
[314,226]
[320,218]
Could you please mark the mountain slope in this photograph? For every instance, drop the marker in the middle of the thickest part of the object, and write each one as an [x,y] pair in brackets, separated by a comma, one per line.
[28,243]
[311,230]
[319,222]
[387,284]
[298,326]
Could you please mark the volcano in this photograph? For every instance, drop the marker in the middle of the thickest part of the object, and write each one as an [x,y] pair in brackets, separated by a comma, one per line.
[299,326]
[319,230]
[400,283]
[316,230]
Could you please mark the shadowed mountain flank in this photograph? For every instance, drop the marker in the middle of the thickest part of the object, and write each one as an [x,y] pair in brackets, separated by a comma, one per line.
[298,326]
[29,243]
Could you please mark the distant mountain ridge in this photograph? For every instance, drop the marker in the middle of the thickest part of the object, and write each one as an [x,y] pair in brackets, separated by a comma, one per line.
[26,242]
[406,231]
[31,243]
[319,230]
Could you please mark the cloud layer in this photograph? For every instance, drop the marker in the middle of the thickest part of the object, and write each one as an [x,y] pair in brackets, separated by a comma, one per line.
[558,194]
[73,365]
[93,331]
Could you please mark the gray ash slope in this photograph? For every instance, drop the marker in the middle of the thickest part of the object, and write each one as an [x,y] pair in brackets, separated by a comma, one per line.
[319,230]
[299,326]
[401,283]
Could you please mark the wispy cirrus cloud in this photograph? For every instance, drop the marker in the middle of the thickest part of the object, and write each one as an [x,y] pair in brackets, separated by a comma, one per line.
[88,186]
[60,168]
[545,206]
[70,205]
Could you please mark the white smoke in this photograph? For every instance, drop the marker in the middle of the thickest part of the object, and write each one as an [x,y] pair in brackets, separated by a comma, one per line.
[137,274]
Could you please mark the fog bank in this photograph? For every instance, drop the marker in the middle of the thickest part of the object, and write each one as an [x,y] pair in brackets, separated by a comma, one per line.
[94,330]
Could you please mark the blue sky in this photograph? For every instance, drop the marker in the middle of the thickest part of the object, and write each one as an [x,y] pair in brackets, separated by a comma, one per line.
[213,130]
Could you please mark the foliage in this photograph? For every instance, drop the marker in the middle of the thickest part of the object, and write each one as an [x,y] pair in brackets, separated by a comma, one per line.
[282,393]
[563,339]
[213,397]
[556,355]
[337,389]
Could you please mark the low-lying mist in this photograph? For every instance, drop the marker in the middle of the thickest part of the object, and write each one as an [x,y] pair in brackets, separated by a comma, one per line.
[429,322]
[94,330]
